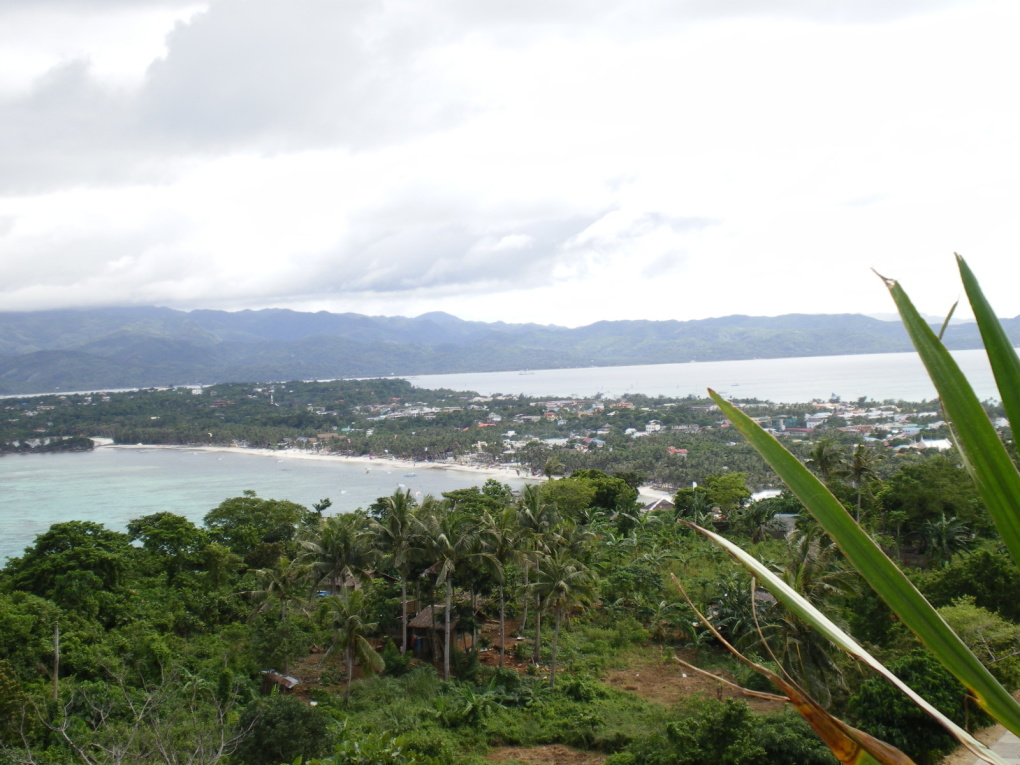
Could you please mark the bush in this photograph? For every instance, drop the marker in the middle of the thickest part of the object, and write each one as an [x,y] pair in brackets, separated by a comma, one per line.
[727,733]
[885,712]
[397,663]
[282,728]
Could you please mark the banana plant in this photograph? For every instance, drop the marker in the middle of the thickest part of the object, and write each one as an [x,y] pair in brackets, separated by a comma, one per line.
[998,482]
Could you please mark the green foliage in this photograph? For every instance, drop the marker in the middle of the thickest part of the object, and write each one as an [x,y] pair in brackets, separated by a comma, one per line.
[372,749]
[987,574]
[259,530]
[79,565]
[727,491]
[397,664]
[726,733]
[885,712]
[934,487]
[992,638]
[281,728]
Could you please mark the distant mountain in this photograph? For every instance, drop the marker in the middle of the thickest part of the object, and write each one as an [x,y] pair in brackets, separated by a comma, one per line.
[138,347]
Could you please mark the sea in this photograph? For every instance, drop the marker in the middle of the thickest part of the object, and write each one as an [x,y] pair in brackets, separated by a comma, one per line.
[877,376]
[113,485]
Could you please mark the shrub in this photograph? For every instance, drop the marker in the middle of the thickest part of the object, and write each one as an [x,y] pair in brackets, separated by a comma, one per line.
[397,663]
[884,712]
[282,728]
[727,733]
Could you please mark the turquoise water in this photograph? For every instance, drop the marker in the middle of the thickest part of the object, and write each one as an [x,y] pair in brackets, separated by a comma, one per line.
[111,486]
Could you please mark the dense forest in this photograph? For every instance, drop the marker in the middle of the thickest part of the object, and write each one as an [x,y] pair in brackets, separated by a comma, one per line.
[483,623]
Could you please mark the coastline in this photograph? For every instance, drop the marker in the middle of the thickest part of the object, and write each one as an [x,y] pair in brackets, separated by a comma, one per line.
[498,473]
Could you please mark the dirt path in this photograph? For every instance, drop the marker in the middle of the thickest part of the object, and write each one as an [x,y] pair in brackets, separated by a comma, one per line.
[654,678]
[554,754]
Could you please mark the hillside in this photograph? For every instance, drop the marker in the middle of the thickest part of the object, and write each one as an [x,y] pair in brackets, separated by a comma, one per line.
[135,347]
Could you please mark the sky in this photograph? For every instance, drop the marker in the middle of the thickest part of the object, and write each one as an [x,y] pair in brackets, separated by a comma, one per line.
[551,161]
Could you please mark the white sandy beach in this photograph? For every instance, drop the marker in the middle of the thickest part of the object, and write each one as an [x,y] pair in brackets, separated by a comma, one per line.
[498,473]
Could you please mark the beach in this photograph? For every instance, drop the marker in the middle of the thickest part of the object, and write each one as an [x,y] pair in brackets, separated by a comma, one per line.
[372,462]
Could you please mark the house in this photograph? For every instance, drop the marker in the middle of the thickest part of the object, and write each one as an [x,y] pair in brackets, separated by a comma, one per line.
[426,632]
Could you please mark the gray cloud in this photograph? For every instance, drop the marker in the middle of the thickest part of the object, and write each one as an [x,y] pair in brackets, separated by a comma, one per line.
[263,76]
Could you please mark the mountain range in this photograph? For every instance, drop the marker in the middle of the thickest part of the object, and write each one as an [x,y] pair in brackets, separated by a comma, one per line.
[90,349]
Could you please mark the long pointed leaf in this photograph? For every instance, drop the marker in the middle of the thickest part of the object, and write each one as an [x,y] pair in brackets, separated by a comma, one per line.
[984,455]
[800,606]
[1001,354]
[880,572]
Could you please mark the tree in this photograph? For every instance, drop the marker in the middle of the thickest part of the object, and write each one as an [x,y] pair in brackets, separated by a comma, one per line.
[943,537]
[174,542]
[337,548]
[562,584]
[553,467]
[259,530]
[727,491]
[79,565]
[282,727]
[347,616]
[933,487]
[827,459]
[502,536]
[860,470]
[885,712]
[536,517]
[395,529]
[449,541]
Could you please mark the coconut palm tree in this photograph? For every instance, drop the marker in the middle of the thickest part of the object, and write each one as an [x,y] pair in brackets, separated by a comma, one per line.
[827,458]
[347,616]
[339,547]
[395,533]
[944,536]
[450,540]
[282,584]
[860,470]
[562,584]
[535,517]
[501,535]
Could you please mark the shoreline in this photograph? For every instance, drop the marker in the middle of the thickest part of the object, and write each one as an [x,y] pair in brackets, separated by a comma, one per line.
[493,472]
[497,473]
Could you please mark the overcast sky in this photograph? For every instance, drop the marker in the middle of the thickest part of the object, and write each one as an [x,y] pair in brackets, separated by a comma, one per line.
[557,161]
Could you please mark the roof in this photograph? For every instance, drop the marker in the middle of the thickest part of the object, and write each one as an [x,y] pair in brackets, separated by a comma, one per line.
[423,620]
[284,681]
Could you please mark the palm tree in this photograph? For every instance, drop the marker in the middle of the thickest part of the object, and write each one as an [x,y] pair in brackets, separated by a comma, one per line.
[553,467]
[562,583]
[827,458]
[501,534]
[861,469]
[284,583]
[395,532]
[945,536]
[450,540]
[347,614]
[813,567]
[339,547]
[535,517]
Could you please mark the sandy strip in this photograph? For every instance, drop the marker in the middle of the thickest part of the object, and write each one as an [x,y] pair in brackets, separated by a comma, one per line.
[299,454]
[499,473]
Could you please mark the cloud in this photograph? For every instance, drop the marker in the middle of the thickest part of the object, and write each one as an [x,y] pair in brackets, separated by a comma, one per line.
[477,156]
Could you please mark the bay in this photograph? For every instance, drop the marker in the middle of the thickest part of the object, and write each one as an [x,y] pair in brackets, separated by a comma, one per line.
[878,376]
[114,485]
